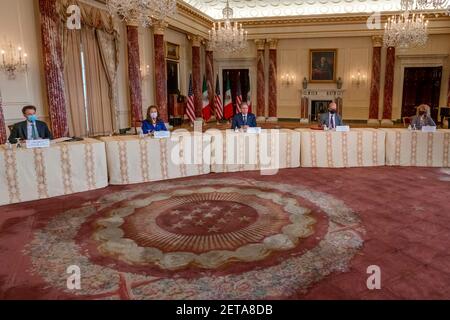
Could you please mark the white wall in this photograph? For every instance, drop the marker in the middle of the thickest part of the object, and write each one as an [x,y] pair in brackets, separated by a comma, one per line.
[353,54]
[19,23]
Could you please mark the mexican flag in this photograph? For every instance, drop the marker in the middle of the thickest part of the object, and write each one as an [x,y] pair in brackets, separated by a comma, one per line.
[228,102]
[206,110]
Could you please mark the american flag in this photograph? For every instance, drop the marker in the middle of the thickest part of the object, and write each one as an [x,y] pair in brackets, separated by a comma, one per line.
[190,110]
[238,95]
[218,105]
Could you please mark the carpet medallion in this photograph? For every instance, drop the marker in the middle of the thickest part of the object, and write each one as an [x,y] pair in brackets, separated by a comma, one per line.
[202,238]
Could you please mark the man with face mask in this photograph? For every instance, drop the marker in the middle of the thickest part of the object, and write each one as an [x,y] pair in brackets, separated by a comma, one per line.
[31,128]
[331,119]
[243,119]
[422,118]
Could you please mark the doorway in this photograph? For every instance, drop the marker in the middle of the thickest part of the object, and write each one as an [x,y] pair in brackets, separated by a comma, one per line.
[421,85]
[318,107]
[236,76]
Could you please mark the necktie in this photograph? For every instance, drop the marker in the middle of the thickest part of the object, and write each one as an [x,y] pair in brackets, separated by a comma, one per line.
[33,131]
[245,120]
[332,121]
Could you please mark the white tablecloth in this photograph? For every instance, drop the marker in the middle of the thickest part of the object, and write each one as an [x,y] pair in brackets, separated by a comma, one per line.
[416,148]
[268,151]
[62,169]
[135,160]
[331,149]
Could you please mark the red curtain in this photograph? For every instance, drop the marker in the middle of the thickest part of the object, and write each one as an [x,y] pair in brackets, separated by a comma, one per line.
[53,67]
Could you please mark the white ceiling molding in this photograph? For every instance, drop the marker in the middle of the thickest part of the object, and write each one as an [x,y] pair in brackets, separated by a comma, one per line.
[249,9]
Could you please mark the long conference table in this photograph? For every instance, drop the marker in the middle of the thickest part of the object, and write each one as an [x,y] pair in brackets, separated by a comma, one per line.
[63,168]
[71,167]
[331,149]
[416,148]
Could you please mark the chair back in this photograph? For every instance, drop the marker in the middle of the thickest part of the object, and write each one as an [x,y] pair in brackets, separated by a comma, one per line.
[406,121]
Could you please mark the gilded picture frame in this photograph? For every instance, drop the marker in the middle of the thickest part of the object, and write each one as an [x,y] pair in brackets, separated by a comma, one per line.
[322,65]
[172,51]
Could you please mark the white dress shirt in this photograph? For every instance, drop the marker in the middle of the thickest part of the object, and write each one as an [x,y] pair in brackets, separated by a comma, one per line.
[30,131]
[332,120]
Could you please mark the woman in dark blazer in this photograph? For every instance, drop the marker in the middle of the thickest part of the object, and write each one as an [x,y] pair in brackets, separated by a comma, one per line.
[153,122]
[422,118]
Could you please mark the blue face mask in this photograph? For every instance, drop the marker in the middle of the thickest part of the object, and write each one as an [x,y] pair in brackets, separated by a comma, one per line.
[32,118]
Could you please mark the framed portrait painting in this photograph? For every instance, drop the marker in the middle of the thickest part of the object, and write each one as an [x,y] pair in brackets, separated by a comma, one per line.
[322,65]
[172,51]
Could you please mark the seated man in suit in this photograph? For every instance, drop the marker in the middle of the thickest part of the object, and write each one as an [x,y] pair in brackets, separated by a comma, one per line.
[244,119]
[422,118]
[31,128]
[331,119]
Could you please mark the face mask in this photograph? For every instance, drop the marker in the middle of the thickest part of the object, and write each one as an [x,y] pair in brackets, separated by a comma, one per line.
[332,111]
[32,118]
[154,115]
[421,113]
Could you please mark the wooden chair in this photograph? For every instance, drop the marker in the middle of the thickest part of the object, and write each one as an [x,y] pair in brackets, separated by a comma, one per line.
[137,124]
[406,121]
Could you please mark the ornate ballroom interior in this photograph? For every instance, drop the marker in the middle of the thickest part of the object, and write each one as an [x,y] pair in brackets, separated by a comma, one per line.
[141,217]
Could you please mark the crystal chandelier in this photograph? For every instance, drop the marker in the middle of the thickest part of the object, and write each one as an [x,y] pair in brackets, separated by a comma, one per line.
[228,36]
[406,31]
[13,61]
[142,12]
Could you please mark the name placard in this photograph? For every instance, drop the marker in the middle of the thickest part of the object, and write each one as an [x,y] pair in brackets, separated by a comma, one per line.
[342,128]
[41,143]
[256,130]
[162,134]
[428,129]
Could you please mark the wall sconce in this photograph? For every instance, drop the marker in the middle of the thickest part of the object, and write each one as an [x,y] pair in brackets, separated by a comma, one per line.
[13,61]
[145,72]
[339,83]
[287,79]
[358,79]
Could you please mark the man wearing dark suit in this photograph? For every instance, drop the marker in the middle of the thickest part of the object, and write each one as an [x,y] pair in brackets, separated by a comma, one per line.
[31,128]
[244,119]
[331,119]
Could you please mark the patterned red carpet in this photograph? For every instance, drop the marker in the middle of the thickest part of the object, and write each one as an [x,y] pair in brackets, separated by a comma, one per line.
[301,234]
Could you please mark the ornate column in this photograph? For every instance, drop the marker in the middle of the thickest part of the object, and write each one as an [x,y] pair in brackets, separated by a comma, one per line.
[160,70]
[388,87]
[53,67]
[196,76]
[3,136]
[209,69]
[134,74]
[377,42]
[272,80]
[260,81]
[448,93]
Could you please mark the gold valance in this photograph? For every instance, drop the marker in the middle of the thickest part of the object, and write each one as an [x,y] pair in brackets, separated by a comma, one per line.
[91,16]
